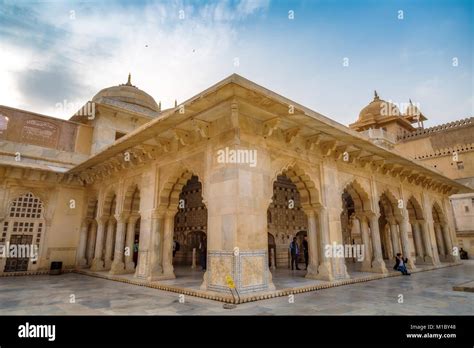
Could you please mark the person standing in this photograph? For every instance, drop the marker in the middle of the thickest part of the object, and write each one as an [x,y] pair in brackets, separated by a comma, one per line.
[305,251]
[203,252]
[294,251]
[135,252]
[176,247]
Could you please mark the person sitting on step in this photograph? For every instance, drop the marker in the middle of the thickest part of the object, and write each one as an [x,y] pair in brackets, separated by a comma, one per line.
[400,264]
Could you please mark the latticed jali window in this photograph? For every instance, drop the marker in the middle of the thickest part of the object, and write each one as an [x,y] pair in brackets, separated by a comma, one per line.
[26,206]
[24,223]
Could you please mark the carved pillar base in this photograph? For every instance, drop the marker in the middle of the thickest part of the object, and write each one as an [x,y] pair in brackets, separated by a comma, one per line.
[81,263]
[312,272]
[108,264]
[411,264]
[429,260]
[117,268]
[450,258]
[378,266]
[366,266]
[324,272]
[155,277]
[97,265]
[130,267]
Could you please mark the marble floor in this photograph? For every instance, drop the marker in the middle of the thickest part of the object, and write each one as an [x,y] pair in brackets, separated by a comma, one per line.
[283,278]
[424,293]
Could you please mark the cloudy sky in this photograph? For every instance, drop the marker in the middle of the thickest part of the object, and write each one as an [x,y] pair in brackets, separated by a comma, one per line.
[326,55]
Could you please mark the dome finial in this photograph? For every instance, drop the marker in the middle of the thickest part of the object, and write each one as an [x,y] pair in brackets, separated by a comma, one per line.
[376,96]
[410,101]
[129,81]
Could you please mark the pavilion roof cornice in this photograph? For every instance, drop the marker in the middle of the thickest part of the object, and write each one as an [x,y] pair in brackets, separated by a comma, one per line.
[318,129]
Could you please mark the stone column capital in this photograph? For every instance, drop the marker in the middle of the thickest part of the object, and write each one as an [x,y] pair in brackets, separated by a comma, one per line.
[321,209]
[158,213]
[309,212]
[170,213]
[360,216]
[121,218]
[133,217]
[86,221]
[372,215]
[102,219]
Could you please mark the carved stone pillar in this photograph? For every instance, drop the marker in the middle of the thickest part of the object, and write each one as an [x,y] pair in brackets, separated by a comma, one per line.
[193,264]
[425,235]
[390,254]
[272,256]
[378,264]
[364,230]
[157,248]
[168,270]
[129,243]
[324,269]
[312,245]
[418,242]
[448,243]
[98,262]
[118,265]
[403,224]
[91,242]
[439,240]
[395,239]
[109,243]
[81,249]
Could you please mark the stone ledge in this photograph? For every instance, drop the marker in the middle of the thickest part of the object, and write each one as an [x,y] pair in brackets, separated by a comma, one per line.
[467,287]
[29,273]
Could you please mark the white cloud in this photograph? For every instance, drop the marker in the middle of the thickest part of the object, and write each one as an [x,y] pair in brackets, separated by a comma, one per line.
[170,58]
[248,7]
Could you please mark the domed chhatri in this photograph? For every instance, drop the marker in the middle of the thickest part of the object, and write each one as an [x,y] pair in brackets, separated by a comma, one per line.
[128,93]
[378,108]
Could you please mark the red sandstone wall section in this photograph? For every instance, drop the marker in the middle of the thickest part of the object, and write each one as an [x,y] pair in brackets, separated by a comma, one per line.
[29,128]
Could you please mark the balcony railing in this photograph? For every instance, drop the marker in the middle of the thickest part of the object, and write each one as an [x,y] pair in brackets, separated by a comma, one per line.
[379,134]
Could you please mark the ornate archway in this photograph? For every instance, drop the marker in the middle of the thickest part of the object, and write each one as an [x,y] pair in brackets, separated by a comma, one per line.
[285,216]
[174,208]
[190,219]
[355,220]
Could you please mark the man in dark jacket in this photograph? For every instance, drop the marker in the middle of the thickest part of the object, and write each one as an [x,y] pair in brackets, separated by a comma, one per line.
[305,251]
[294,251]
[400,264]
[203,253]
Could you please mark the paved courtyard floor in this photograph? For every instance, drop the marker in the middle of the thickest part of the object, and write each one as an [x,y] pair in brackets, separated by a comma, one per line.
[424,293]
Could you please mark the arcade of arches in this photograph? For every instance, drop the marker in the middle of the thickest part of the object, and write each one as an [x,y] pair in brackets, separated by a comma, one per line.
[113,224]
[383,232]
